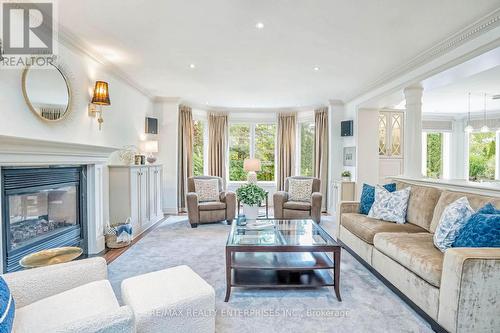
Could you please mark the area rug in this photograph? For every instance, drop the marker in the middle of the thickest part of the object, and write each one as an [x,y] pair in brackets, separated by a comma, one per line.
[367,304]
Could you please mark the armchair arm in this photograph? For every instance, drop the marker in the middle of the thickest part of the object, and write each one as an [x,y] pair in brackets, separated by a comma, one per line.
[316,200]
[32,285]
[279,198]
[192,207]
[230,199]
[470,290]
[345,207]
[120,320]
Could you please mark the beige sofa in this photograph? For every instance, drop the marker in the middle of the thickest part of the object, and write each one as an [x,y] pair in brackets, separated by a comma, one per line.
[458,290]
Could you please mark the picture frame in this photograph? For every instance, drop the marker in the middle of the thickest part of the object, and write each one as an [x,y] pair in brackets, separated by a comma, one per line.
[349,156]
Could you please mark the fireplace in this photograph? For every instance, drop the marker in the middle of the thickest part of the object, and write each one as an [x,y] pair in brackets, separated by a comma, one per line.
[42,208]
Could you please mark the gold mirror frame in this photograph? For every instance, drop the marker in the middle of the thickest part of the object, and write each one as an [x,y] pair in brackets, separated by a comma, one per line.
[67,111]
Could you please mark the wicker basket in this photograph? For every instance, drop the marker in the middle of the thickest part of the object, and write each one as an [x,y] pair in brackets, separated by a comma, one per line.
[111,237]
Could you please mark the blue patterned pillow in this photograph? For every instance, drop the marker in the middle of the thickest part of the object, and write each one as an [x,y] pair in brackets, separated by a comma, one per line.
[488,209]
[390,206]
[452,220]
[7,308]
[368,196]
[482,230]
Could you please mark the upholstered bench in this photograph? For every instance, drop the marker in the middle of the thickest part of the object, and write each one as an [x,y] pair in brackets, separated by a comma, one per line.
[171,300]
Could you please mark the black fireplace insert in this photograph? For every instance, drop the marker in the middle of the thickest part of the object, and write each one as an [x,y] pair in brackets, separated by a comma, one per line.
[42,208]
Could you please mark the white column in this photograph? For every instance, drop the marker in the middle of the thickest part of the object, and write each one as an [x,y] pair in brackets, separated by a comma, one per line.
[413,132]
[336,113]
[95,209]
[458,154]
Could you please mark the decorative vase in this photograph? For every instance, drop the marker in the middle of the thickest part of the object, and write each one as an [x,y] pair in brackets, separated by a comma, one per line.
[346,179]
[251,212]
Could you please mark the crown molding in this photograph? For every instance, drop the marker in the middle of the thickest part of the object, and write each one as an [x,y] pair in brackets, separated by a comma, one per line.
[162,99]
[472,31]
[69,40]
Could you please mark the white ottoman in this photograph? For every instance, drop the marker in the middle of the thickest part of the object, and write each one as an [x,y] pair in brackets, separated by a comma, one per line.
[172,300]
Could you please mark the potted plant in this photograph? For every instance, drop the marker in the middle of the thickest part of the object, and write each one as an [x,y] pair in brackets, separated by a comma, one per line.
[346,176]
[251,196]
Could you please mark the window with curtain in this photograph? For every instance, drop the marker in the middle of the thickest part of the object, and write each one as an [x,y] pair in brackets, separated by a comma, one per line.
[239,150]
[306,148]
[265,138]
[198,148]
[482,155]
[434,155]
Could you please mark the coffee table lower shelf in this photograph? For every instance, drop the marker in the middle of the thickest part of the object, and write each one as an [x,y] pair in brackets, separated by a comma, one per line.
[254,278]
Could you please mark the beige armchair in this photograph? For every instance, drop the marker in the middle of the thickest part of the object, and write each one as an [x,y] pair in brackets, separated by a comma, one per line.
[212,211]
[285,209]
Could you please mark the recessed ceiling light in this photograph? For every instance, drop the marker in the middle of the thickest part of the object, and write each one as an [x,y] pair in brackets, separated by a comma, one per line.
[192,66]
[259,25]
[316,68]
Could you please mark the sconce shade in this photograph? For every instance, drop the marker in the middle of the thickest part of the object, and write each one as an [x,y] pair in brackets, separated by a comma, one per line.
[151,146]
[101,93]
[251,164]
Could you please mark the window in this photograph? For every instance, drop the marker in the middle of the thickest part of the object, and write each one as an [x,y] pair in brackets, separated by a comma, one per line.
[306,148]
[198,146]
[252,141]
[434,155]
[482,152]
[265,137]
[239,150]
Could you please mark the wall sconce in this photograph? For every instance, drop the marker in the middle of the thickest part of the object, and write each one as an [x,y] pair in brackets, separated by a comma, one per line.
[100,98]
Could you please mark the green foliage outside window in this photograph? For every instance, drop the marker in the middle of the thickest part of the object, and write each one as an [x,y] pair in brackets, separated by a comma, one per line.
[434,154]
[239,150]
[198,148]
[265,137]
[482,151]
[306,148]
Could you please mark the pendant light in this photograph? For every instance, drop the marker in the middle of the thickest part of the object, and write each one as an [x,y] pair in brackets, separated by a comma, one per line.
[468,128]
[485,128]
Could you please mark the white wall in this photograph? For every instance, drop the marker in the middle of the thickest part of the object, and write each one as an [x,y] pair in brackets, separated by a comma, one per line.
[123,119]
[367,148]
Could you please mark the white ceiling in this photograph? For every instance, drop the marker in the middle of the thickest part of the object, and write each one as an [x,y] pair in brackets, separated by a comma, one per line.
[352,42]
[453,98]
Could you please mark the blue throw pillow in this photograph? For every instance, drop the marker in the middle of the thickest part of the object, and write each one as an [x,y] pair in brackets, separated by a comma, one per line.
[489,209]
[7,308]
[482,230]
[368,197]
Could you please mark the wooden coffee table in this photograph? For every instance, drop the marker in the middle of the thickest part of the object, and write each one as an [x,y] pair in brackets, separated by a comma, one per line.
[287,254]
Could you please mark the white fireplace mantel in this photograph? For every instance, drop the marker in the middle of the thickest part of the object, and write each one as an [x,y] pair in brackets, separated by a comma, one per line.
[26,151]
[22,152]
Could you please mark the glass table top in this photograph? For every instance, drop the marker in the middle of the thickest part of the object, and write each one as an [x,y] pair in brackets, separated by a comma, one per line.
[271,232]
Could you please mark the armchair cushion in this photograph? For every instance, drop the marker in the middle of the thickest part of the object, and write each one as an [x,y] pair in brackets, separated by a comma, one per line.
[7,307]
[211,205]
[300,189]
[207,189]
[297,205]
[70,306]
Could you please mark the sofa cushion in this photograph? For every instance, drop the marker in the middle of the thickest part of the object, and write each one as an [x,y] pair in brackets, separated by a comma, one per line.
[366,227]
[454,217]
[481,230]
[421,204]
[211,205]
[368,196]
[415,251]
[297,205]
[390,206]
[207,189]
[62,309]
[300,189]
[476,201]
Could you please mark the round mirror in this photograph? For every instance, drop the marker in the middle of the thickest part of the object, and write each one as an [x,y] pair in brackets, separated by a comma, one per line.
[47,92]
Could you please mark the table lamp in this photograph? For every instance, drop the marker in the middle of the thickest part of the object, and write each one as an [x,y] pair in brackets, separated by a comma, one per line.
[151,147]
[251,165]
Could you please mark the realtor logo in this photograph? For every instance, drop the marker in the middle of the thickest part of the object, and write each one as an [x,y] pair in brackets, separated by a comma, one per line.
[27,29]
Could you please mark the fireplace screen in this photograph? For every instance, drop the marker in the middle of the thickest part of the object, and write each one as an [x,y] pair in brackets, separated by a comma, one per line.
[38,215]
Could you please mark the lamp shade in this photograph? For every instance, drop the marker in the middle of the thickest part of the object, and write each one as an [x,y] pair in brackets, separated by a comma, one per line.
[251,164]
[151,146]
[101,94]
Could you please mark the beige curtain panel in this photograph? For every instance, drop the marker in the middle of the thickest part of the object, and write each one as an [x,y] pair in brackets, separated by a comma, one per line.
[320,152]
[185,154]
[287,124]
[217,145]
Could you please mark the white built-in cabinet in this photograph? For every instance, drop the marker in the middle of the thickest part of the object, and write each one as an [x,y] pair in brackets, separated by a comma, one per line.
[343,191]
[390,144]
[135,192]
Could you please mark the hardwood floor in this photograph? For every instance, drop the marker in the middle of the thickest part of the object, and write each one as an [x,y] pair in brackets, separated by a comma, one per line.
[112,254]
